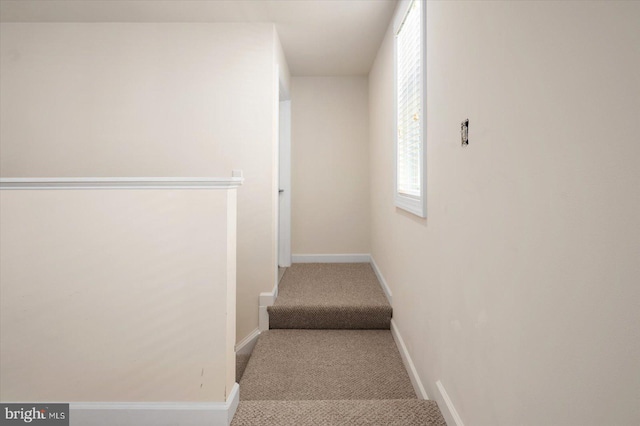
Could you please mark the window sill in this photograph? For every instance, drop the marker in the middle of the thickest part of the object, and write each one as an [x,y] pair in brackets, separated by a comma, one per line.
[412,205]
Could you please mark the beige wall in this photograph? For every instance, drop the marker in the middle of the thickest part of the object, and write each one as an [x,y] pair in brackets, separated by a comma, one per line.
[330,166]
[150,100]
[116,295]
[520,289]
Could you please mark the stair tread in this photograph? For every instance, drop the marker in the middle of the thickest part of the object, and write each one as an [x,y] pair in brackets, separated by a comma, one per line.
[330,284]
[403,412]
[329,357]
[325,365]
[330,296]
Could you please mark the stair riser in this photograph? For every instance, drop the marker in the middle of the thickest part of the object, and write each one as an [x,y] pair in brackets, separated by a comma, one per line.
[329,318]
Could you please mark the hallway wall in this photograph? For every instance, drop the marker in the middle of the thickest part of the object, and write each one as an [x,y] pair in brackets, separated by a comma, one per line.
[330,165]
[106,295]
[141,99]
[519,291]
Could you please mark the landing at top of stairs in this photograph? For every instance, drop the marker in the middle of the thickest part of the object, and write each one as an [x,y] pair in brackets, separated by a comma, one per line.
[330,296]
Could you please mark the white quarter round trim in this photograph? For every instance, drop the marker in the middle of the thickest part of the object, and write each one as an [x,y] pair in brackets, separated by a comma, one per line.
[122,183]
[450,414]
[331,258]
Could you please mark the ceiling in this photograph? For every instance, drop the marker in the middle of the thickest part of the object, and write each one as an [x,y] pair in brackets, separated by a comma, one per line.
[319,37]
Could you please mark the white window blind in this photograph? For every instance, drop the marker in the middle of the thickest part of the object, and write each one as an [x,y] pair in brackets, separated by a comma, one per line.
[409,102]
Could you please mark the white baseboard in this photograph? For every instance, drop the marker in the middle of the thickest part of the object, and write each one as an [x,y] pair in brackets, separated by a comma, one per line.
[331,258]
[267,298]
[245,346]
[408,362]
[263,318]
[450,414]
[402,348]
[155,413]
[232,402]
[383,283]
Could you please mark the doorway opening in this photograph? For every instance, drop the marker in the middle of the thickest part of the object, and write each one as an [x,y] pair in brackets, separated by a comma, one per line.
[284,181]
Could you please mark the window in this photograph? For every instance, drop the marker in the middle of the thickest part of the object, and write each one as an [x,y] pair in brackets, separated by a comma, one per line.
[409,28]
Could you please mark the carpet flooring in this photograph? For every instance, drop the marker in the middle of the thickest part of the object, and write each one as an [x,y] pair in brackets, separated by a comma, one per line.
[402,412]
[325,364]
[329,357]
[330,296]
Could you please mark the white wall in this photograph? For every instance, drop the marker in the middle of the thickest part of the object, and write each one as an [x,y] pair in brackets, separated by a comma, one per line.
[520,289]
[284,75]
[330,165]
[117,295]
[102,99]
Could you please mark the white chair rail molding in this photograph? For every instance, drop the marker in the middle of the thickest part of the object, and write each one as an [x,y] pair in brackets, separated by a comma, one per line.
[118,297]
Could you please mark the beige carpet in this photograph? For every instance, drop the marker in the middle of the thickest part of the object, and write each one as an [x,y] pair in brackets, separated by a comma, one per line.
[330,296]
[324,365]
[329,357]
[402,412]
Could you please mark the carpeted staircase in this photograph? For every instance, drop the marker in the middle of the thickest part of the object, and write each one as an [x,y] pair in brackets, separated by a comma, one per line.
[329,357]
[330,296]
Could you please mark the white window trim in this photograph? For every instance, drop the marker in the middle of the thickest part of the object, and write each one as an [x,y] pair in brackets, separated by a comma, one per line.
[415,205]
